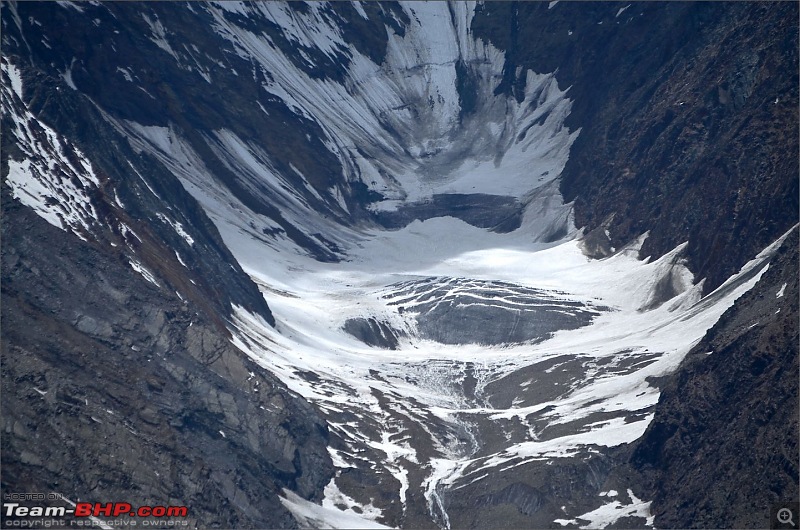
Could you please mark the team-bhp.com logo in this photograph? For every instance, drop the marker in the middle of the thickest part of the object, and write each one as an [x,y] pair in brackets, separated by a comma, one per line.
[117,509]
[98,515]
[97,509]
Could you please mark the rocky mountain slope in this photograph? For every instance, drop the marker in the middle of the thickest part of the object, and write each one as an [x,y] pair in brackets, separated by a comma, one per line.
[114,389]
[693,110]
[700,450]
[405,264]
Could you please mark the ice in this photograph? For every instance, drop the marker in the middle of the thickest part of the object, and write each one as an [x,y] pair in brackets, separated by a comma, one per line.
[311,300]
[308,337]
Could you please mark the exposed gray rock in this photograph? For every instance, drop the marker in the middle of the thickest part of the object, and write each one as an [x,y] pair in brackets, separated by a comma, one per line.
[723,446]
[115,389]
[463,311]
[686,112]
[373,332]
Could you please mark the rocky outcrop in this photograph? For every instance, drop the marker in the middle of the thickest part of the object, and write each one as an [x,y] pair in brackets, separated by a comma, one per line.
[722,448]
[114,390]
[464,311]
[688,116]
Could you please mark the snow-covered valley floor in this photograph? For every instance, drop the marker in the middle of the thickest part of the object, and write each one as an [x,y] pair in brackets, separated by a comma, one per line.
[427,417]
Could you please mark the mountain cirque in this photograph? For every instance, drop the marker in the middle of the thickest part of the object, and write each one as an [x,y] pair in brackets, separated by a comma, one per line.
[418,264]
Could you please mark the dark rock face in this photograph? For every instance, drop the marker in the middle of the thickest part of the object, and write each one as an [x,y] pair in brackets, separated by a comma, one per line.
[463,311]
[119,378]
[533,495]
[175,97]
[724,442]
[373,332]
[113,389]
[139,203]
[502,214]
[688,116]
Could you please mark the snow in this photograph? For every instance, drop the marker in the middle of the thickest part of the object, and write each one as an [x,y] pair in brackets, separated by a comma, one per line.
[15,78]
[125,73]
[505,148]
[310,515]
[611,512]
[141,269]
[70,5]
[334,498]
[337,459]
[311,300]
[360,10]
[178,227]
[180,260]
[781,291]
[54,177]
[394,451]
[611,433]
[159,35]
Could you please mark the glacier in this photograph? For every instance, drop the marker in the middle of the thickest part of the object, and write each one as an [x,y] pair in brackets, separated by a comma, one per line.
[429,416]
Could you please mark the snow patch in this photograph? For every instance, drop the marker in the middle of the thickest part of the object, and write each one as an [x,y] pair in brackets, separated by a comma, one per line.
[612,512]
[54,177]
[178,227]
[334,499]
[141,269]
[310,515]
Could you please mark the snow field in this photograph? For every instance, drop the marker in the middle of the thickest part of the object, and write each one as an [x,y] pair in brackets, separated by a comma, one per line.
[311,301]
